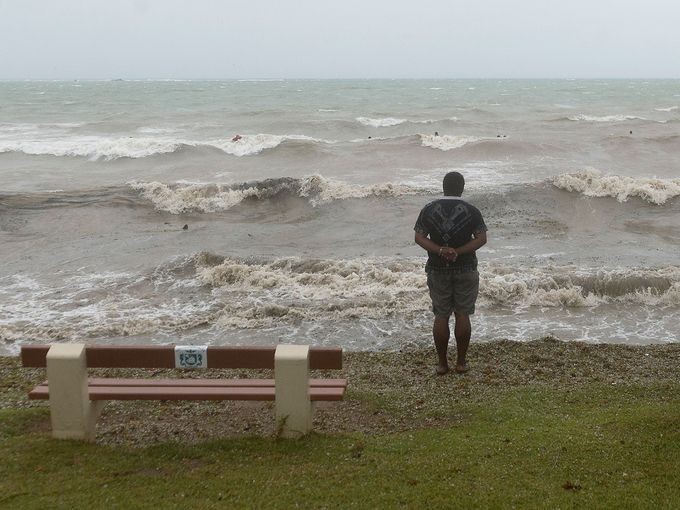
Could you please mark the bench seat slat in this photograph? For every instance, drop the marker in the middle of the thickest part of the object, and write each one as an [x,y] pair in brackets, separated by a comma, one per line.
[255,383]
[117,392]
[318,383]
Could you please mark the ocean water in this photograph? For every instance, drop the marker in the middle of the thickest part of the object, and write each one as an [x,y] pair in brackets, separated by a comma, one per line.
[302,230]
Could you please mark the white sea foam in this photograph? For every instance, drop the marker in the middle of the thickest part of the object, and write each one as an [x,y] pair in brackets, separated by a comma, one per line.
[593,183]
[668,109]
[448,142]
[386,122]
[205,197]
[103,305]
[604,118]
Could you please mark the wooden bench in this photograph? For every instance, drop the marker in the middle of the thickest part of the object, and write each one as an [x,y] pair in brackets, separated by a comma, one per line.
[76,400]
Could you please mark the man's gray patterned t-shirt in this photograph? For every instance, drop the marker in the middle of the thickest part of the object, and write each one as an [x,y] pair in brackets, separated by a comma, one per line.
[450,221]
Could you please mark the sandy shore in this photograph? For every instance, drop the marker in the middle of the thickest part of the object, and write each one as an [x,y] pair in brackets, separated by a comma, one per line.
[388,391]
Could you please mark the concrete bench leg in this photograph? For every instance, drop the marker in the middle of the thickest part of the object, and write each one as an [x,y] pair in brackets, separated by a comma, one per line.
[291,373]
[72,413]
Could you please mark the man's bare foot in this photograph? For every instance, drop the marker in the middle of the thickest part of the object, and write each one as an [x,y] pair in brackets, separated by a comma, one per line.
[461,368]
[442,369]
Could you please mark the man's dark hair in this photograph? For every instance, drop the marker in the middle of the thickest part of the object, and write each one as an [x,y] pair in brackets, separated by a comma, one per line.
[454,183]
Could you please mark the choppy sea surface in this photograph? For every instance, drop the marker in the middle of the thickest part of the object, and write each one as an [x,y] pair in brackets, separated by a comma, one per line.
[302,230]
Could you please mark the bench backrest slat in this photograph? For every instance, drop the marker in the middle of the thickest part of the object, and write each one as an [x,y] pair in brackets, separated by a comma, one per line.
[163,356]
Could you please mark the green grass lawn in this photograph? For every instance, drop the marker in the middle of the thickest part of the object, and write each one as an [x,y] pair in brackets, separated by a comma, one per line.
[592,446]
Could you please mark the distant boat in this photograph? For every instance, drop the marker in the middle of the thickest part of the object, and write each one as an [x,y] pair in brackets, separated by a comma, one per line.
[118,79]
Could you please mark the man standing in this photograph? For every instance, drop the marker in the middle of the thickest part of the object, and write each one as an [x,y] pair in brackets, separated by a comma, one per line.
[451,230]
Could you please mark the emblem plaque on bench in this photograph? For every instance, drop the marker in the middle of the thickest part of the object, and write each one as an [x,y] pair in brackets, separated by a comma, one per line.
[191,356]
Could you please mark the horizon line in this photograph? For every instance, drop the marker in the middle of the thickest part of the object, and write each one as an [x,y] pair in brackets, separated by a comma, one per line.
[246,79]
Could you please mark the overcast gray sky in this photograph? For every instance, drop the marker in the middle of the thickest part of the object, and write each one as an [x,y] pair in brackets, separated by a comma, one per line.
[339,39]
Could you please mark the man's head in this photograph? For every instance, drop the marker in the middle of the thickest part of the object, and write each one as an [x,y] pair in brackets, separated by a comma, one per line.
[453,184]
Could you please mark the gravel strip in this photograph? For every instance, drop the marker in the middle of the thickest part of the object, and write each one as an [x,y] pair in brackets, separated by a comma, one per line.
[387,391]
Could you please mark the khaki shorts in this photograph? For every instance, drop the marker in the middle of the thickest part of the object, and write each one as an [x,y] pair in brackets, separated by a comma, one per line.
[453,292]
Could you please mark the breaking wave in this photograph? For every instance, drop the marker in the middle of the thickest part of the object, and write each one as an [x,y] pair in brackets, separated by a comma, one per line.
[391,121]
[386,122]
[94,147]
[109,148]
[447,142]
[450,142]
[380,281]
[572,287]
[376,287]
[254,144]
[604,118]
[260,293]
[206,290]
[593,183]
[183,197]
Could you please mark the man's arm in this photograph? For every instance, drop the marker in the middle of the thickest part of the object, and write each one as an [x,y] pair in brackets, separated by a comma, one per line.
[478,240]
[429,245]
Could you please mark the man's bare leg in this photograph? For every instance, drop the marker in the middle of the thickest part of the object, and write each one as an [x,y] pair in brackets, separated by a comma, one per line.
[462,331]
[441,334]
